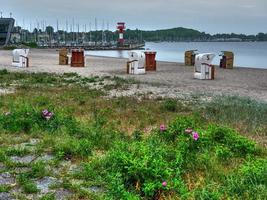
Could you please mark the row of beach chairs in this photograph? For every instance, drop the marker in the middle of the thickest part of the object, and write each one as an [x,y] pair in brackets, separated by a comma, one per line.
[139,62]
[202,62]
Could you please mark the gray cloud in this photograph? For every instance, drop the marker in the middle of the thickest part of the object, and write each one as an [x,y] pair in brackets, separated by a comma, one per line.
[240,16]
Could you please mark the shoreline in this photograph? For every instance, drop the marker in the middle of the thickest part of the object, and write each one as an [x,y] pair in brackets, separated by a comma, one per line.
[172,62]
[171,80]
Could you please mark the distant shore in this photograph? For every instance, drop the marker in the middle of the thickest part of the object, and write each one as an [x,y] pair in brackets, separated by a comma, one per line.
[172,80]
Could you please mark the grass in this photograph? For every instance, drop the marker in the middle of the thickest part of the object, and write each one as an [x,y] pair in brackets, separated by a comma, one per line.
[118,147]
[244,114]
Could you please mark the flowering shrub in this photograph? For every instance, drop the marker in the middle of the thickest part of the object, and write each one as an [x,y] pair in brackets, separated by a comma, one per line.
[155,166]
[143,168]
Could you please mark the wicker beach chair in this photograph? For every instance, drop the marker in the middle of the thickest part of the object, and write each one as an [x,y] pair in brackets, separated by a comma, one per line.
[204,70]
[20,58]
[136,63]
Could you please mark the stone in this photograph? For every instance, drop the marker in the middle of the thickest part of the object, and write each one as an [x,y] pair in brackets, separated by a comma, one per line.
[62,194]
[44,184]
[6,179]
[24,160]
[27,145]
[95,189]
[34,141]
[22,169]
[45,158]
[5,196]
[2,167]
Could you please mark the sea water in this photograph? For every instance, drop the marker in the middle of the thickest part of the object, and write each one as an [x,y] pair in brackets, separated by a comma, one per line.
[247,54]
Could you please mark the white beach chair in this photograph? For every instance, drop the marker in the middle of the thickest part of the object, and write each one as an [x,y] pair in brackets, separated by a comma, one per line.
[203,68]
[136,63]
[20,58]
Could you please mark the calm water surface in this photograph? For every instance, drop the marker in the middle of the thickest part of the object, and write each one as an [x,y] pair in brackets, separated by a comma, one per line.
[247,54]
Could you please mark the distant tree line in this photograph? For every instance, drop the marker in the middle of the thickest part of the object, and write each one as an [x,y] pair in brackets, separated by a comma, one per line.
[174,34]
[184,34]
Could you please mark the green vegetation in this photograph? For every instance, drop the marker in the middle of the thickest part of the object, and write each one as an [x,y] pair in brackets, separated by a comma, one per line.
[121,148]
[185,34]
[10,47]
[30,44]
[23,44]
[178,34]
[170,105]
[48,197]
[27,185]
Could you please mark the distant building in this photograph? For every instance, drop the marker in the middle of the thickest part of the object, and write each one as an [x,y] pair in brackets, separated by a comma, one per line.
[42,39]
[234,40]
[6,27]
[227,40]
[15,36]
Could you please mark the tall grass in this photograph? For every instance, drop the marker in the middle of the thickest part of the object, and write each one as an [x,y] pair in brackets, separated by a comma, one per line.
[250,116]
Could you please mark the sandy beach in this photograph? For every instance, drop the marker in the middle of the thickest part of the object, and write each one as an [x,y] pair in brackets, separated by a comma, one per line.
[172,80]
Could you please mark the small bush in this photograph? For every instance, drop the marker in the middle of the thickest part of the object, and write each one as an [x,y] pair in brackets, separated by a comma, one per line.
[48,197]
[30,44]
[231,139]
[3,72]
[70,147]
[3,156]
[139,169]
[30,187]
[10,47]
[38,170]
[27,184]
[4,188]
[170,105]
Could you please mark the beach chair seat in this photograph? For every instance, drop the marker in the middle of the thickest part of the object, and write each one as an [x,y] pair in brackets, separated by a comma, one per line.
[227,60]
[136,63]
[63,56]
[20,58]
[77,58]
[203,68]
[189,57]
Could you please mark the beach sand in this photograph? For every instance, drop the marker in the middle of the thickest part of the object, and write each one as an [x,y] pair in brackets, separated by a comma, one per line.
[172,80]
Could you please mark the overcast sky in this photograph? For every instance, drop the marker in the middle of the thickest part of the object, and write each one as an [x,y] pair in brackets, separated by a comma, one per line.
[211,16]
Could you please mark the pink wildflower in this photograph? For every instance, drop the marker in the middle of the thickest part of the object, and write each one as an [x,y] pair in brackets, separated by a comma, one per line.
[162,128]
[46,114]
[195,136]
[164,183]
[188,130]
